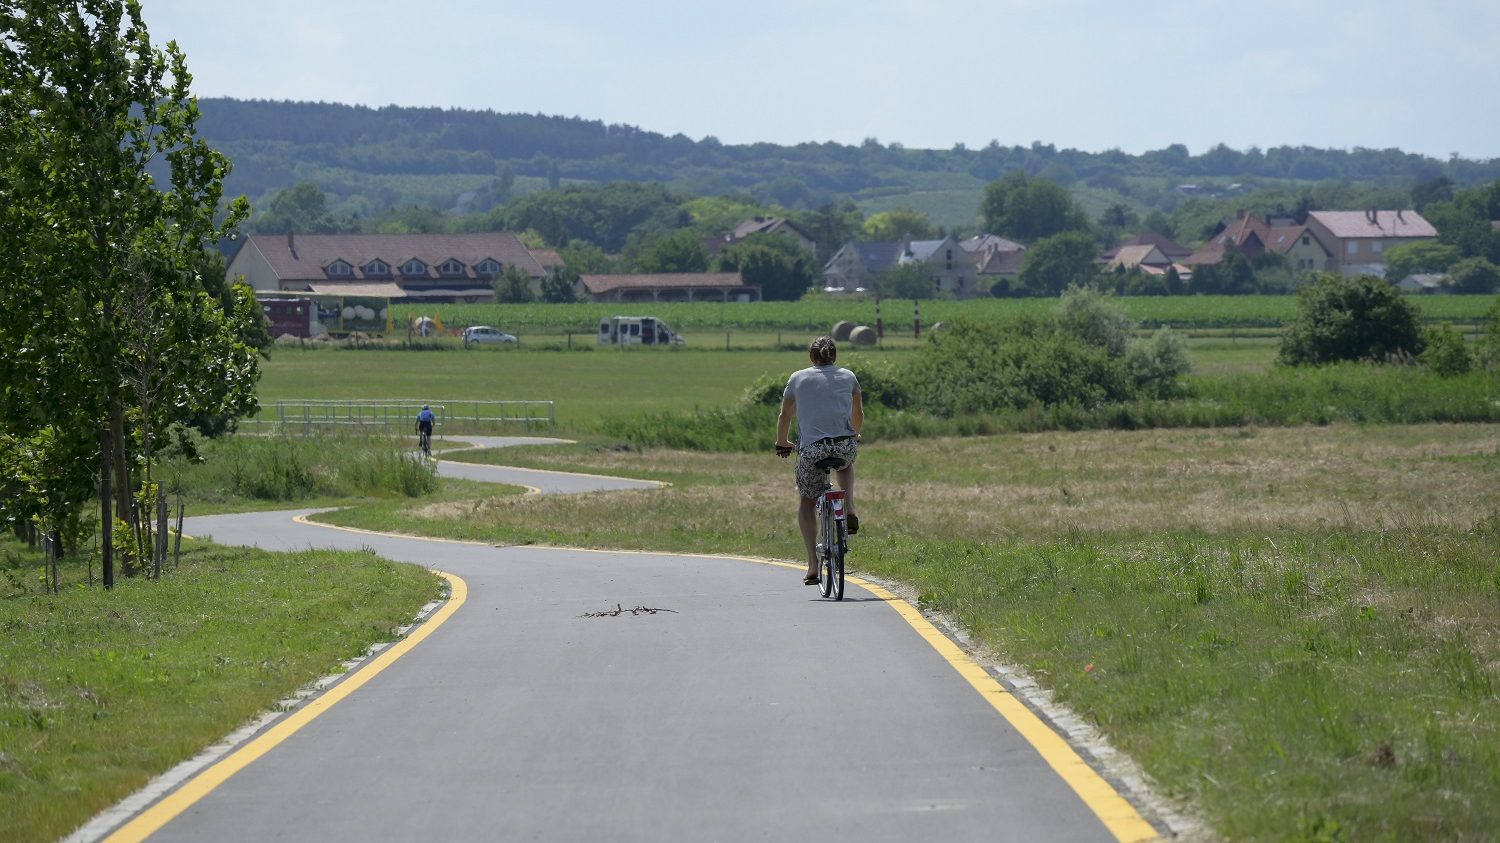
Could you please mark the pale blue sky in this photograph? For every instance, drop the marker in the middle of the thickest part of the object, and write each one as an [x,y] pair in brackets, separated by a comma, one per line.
[1088,74]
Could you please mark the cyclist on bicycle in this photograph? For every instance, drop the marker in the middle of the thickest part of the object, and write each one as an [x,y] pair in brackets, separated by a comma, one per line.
[827,404]
[424,427]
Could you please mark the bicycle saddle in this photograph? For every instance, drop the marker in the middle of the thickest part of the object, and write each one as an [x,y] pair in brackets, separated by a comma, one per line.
[828,463]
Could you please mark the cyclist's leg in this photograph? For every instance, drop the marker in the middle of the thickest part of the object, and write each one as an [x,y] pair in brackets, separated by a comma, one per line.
[809,482]
[807,522]
[846,482]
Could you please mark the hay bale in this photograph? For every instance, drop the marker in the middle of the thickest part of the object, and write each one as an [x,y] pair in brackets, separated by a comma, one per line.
[863,335]
[841,330]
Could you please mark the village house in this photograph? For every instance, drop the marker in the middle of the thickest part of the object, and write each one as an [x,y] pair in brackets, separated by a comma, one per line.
[1252,236]
[856,265]
[1358,240]
[411,267]
[759,225]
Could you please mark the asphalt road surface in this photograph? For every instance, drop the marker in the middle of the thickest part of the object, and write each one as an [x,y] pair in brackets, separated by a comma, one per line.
[743,708]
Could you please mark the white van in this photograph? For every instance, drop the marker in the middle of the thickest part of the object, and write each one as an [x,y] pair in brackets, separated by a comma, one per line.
[637,330]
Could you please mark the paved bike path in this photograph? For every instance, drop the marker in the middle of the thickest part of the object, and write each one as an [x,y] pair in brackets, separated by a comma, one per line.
[745,708]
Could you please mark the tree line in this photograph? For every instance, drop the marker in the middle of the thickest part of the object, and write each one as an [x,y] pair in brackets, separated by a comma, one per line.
[345,148]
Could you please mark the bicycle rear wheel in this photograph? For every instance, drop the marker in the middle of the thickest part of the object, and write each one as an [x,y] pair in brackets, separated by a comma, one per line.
[825,550]
[836,566]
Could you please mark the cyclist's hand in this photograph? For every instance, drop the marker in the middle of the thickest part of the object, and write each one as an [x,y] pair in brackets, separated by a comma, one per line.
[784,449]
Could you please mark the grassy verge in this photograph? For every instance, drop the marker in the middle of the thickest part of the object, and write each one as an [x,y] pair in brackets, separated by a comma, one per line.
[1294,628]
[101,691]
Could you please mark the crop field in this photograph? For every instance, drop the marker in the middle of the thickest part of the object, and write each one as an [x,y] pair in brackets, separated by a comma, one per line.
[819,315]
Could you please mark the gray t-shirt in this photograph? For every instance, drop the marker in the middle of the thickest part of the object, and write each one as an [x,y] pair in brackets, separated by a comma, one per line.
[825,398]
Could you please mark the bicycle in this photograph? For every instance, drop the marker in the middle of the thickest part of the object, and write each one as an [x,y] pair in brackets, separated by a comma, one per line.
[832,531]
[424,441]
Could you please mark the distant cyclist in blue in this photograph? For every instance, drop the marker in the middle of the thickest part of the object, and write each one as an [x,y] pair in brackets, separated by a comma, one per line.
[826,401]
[424,423]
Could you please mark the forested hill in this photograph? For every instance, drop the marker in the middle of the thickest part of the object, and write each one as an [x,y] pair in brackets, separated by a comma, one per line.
[372,159]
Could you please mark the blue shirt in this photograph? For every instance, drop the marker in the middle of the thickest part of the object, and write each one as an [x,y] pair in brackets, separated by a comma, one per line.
[425,417]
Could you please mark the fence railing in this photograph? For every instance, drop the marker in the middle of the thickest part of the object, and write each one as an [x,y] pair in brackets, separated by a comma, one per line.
[399,415]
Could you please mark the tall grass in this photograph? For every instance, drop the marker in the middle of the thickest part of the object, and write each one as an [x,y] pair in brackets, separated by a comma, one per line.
[1349,392]
[285,468]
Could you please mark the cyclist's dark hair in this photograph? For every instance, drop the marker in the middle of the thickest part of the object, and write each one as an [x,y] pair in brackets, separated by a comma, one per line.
[822,351]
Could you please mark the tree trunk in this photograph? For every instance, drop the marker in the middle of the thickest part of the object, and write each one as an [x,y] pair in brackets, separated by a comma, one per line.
[106,523]
[123,503]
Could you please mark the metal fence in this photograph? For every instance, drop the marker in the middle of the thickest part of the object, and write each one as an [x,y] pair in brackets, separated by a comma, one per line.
[399,415]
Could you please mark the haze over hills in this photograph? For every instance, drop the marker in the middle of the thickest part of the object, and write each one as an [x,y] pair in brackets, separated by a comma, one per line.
[369,160]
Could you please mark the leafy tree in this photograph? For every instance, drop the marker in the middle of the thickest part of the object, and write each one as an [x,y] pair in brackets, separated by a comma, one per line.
[679,251]
[1474,275]
[1028,209]
[559,286]
[1411,258]
[1119,216]
[302,208]
[899,224]
[1057,262]
[1464,222]
[777,264]
[586,258]
[606,215]
[1231,277]
[1342,318]
[831,226]
[911,280]
[513,286]
[114,331]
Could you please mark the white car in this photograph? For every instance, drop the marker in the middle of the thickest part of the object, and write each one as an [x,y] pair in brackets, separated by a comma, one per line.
[486,334]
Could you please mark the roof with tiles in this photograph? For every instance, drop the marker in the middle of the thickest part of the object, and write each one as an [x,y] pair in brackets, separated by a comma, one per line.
[600,284]
[983,242]
[1130,257]
[1350,225]
[1168,246]
[308,257]
[1003,262]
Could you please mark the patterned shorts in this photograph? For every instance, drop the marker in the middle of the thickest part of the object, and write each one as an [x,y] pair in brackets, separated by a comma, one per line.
[809,476]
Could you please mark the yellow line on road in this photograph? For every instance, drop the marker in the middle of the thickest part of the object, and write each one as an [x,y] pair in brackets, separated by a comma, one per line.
[158,815]
[1112,809]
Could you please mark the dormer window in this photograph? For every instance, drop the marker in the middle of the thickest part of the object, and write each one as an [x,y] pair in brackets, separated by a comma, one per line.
[413,267]
[377,267]
[489,266]
[340,268]
[451,267]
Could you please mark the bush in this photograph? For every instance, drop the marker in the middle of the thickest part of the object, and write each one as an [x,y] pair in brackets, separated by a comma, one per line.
[1445,353]
[1157,364]
[985,367]
[1342,318]
[1488,351]
[1093,317]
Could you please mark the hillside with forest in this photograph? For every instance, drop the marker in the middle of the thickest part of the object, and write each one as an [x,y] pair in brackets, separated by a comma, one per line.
[369,161]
